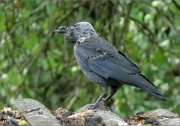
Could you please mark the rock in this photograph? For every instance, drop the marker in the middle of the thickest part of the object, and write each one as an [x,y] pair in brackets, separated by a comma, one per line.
[165,117]
[102,116]
[35,113]
[158,117]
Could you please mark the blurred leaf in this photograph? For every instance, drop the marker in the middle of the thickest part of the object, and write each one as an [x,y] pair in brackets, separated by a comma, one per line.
[37,63]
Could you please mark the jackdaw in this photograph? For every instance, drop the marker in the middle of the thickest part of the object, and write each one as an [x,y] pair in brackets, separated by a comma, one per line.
[102,63]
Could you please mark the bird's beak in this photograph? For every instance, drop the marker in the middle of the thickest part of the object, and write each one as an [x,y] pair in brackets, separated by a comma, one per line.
[61,30]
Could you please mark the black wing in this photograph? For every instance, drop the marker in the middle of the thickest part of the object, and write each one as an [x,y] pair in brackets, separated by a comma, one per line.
[115,66]
[103,59]
[120,68]
[102,53]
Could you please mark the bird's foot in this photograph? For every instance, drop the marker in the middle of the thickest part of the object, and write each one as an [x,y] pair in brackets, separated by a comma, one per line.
[93,106]
[99,106]
[88,107]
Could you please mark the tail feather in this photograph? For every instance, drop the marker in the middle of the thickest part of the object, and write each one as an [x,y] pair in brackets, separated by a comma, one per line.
[143,83]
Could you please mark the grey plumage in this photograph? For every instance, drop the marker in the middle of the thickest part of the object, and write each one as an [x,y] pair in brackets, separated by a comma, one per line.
[102,63]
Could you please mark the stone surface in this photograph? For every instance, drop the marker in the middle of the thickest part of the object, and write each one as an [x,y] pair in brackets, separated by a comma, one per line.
[165,117]
[105,113]
[158,117]
[35,112]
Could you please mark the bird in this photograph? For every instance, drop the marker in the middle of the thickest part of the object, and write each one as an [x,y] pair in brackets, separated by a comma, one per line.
[102,63]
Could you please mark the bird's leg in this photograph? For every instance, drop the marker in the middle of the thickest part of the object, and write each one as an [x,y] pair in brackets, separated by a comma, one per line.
[103,95]
[113,91]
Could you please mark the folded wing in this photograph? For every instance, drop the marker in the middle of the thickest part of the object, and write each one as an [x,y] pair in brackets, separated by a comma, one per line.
[120,68]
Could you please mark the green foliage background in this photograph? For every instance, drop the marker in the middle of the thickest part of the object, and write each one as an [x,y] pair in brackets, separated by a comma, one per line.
[36,63]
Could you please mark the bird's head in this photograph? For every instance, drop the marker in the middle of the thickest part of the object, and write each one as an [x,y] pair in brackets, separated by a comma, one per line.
[77,30]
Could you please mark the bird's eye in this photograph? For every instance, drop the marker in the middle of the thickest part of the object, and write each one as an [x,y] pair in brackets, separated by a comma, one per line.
[72,27]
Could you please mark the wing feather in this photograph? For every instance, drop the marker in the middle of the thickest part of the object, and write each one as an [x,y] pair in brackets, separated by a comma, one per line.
[110,67]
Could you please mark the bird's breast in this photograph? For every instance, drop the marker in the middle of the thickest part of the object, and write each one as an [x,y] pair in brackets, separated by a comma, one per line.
[81,57]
